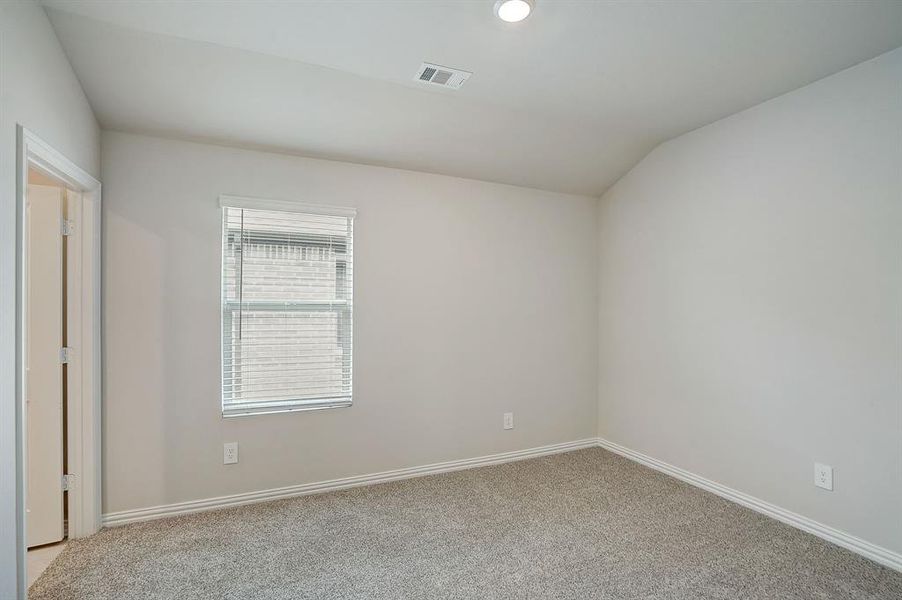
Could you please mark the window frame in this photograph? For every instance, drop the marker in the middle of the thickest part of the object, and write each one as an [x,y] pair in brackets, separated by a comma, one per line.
[264,407]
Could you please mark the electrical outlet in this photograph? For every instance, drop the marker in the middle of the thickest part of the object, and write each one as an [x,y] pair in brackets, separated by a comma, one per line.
[823,476]
[230,453]
[508,420]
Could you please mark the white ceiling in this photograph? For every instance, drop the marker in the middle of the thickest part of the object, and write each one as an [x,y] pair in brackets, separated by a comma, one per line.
[567,100]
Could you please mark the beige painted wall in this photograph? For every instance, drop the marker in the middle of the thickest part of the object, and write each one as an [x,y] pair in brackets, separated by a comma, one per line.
[471,299]
[750,294]
[39,91]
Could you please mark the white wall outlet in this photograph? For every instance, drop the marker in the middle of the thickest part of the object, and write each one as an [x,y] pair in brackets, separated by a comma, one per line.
[508,420]
[823,476]
[230,453]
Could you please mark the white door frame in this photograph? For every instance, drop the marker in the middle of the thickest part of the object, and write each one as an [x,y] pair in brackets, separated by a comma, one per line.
[84,322]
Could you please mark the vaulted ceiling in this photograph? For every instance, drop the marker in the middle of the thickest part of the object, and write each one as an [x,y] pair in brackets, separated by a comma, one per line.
[567,100]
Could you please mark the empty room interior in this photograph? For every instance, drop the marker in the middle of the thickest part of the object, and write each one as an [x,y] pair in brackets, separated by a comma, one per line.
[465,299]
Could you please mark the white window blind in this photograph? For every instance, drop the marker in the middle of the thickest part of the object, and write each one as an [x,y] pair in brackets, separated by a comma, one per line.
[286,309]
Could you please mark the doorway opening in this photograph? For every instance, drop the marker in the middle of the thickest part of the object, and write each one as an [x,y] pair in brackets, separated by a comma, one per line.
[46,370]
[58,355]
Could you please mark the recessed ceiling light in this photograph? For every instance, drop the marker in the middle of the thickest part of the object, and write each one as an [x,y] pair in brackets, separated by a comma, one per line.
[513,11]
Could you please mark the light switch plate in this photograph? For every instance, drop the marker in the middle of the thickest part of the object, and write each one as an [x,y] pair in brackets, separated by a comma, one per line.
[508,420]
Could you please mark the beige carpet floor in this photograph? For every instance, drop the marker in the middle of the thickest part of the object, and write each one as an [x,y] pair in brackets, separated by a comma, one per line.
[585,524]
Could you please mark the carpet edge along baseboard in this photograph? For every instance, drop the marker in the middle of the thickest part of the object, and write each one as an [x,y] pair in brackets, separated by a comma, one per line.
[878,554]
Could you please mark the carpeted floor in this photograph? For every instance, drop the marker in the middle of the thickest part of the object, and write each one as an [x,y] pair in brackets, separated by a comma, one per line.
[585,524]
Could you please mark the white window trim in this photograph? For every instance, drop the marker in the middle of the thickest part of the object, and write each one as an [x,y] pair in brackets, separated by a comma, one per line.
[229,201]
[250,203]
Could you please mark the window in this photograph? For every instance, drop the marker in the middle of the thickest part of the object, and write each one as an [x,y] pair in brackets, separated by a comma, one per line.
[286,306]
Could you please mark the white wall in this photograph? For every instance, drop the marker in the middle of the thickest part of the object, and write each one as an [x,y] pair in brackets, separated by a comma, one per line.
[751,301]
[38,90]
[471,299]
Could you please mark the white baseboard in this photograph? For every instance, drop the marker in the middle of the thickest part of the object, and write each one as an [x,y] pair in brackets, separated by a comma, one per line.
[192,506]
[878,554]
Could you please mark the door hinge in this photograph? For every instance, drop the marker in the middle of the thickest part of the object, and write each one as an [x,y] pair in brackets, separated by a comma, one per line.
[65,355]
[68,482]
[66,227]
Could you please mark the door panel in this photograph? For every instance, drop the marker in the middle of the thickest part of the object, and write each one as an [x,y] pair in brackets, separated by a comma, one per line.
[44,372]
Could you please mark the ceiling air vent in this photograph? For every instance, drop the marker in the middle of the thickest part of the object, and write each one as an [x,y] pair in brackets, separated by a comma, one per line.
[441,76]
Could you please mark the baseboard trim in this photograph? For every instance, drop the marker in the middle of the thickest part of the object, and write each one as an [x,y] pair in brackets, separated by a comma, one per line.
[871,551]
[183,508]
[878,554]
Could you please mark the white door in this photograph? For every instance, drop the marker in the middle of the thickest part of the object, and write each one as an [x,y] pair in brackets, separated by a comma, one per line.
[44,371]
